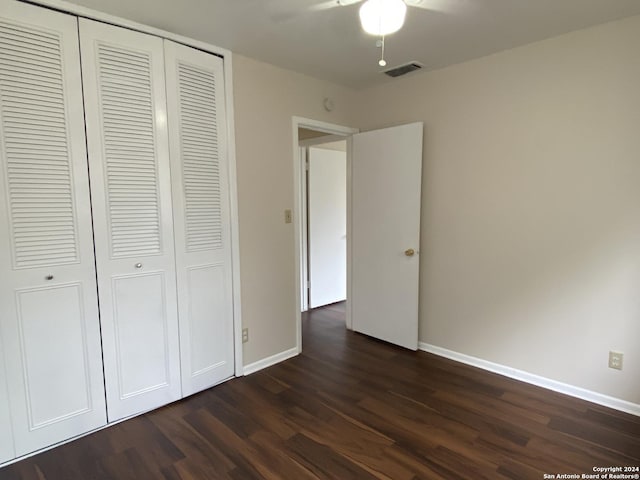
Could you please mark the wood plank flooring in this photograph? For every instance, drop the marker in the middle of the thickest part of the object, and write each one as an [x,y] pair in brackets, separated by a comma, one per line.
[351,407]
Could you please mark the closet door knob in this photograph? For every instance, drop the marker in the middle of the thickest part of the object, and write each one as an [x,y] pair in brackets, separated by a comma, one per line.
[138,265]
[48,277]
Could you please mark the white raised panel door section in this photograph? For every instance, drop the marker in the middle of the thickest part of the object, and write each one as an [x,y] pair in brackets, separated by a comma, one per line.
[327,226]
[123,75]
[385,233]
[197,121]
[48,307]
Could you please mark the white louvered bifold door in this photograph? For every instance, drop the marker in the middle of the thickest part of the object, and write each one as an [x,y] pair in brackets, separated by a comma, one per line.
[197,124]
[48,304]
[123,74]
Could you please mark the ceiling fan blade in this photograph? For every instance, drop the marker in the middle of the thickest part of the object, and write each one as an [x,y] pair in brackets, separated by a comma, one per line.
[329,4]
[442,6]
[346,3]
[332,4]
[283,15]
[289,15]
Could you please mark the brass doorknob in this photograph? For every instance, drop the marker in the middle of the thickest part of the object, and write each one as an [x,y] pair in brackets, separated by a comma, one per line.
[409,252]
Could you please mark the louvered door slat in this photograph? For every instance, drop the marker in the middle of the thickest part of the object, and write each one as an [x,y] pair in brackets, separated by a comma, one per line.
[22,112]
[191,76]
[129,113]
[119,74]
[18,38]
[42,62]
[36,128]
[20,84]
[26,114]
[129,127]
[34,36]
[13,44]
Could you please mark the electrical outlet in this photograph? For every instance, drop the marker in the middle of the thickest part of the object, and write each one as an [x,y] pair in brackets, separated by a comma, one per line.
[287,216]
[615,360]
[245,335]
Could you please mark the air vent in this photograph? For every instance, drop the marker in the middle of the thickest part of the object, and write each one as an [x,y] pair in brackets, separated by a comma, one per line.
[403,69]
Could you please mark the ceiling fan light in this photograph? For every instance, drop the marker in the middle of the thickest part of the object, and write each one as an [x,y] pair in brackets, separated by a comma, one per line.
[382,17]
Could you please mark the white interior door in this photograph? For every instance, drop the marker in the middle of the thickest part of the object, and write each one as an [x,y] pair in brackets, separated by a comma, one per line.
[200,180]
[126,116]
[49,323]
[327,207]
[385,233]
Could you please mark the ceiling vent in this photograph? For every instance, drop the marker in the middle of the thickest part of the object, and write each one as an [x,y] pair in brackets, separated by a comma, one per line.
[403,69]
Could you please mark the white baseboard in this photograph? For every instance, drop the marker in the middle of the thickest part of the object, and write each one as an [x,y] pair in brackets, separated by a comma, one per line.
[272,360]
[578,392]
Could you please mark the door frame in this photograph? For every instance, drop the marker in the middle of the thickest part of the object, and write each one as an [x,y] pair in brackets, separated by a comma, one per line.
[303,220]
[299,176]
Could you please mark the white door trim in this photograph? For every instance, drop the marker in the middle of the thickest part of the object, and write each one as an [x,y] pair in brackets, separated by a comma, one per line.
[342,132]
[304,240]
[233,214]
[311,142]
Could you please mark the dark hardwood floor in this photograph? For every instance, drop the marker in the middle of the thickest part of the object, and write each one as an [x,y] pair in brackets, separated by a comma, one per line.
[352,407]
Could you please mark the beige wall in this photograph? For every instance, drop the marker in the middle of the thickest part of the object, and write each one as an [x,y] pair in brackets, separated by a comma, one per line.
[265,100]
[531,204]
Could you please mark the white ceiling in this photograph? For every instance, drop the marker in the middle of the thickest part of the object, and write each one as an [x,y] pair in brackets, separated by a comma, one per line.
[329,44]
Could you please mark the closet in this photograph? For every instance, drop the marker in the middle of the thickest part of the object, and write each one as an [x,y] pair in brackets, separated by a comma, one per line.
[115,248]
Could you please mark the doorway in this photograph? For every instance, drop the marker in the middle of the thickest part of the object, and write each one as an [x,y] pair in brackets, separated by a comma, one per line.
[324,264]
[311,134]
[384,181]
